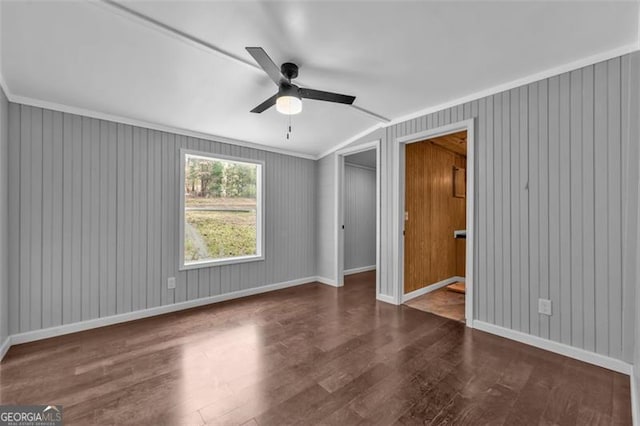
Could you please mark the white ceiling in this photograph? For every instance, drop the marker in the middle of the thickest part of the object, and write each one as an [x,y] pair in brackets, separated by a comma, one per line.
[395,57]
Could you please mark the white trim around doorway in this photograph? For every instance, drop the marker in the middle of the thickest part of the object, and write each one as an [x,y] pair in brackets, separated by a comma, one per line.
[398,207]
[339,210]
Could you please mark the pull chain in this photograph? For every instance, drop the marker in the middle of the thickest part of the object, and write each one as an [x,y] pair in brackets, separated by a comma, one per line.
[289,132]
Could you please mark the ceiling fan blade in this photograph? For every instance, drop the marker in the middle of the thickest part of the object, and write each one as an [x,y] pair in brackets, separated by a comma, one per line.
[266,104]
[319,95]
[266,63]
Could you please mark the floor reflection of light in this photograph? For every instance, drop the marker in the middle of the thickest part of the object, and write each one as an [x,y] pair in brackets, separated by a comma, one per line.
[219,370]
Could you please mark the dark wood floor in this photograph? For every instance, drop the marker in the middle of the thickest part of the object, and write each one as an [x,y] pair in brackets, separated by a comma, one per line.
[308,355]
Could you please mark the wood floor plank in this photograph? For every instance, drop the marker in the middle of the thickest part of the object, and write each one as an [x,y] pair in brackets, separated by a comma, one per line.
[311,354]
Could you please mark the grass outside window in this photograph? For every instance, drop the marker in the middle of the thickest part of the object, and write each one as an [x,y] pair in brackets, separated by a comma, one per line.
[221,210]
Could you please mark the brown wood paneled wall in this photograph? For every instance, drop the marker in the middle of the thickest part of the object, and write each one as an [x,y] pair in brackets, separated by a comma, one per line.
[433,214]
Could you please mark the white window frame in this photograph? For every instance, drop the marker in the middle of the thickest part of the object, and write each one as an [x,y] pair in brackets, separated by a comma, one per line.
[259,256]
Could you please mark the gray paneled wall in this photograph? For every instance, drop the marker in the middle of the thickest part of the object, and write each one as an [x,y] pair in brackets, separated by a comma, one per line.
[325,234]
[631,248]
[359,217]
[4,217]
[94,220]
[553,173]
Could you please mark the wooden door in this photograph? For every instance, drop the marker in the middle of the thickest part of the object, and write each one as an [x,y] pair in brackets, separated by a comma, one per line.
[432,213]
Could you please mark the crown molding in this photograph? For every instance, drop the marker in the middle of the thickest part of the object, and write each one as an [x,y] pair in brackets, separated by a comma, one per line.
[141,123]
[523,81]
[531,78]
[148,125]
[550,72]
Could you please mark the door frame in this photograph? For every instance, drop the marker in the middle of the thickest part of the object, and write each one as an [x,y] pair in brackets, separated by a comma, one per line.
[399,207]
[339,208]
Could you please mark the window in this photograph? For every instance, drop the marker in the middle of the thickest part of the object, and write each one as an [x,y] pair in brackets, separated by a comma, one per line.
[221,210]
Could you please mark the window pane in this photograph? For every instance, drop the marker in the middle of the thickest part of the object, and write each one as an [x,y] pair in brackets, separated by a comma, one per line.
[221,217]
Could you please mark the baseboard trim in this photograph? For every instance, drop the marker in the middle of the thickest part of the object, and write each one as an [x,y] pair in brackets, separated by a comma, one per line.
[5,347]
[386,299]
[327,281]
[361,269]
[46,333]
[559,348]
[430,288]
[635,416]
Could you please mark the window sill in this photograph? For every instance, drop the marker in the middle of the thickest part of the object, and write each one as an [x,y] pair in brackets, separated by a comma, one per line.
[220,262]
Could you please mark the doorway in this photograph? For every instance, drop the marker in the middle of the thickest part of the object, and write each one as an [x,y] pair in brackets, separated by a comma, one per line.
[358,214]
[435,219]
[435,225]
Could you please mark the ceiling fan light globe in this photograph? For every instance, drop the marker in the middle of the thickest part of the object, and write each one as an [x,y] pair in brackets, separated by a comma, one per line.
[288,105]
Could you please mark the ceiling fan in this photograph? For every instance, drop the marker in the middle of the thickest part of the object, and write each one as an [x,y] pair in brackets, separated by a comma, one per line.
[288,100]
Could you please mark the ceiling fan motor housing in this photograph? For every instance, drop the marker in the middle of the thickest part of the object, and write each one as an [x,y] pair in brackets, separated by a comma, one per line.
[288,100]
[289,70]
[289,90]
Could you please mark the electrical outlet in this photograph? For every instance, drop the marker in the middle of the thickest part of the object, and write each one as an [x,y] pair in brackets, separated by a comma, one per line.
[171,282]
[544,306]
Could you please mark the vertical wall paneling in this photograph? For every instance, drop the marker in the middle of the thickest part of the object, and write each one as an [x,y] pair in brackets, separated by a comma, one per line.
[94,219]
[601,207]
[120,233]
[534,214]
[66,216]
[587,210]
[514,208]
[76,215]
[93,211]
[14,212]
[507,283]
[523,142]
[629,151]
[483,291]
[127,219]
[25,221]
[489,211]
[430,251]
[552,184]
[614,199]
[325,225]
[103,219]
[47,220]
[576,165]
[554,204]
[135,217]
[85,221]
[143,218]
[35,296]
[160,290]
[56,220]
[4,217]
[498,222]
[543,158]
[112,210]
[564,308]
